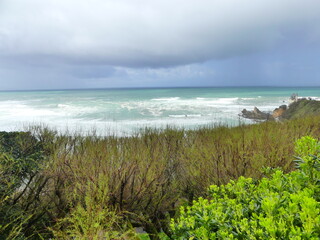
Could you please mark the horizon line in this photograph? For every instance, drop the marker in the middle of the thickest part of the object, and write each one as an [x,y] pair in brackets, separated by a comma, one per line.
[157,87]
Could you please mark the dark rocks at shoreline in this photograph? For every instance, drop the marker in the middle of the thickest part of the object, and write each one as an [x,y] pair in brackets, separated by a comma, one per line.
[278,112]
[256,114]
[299,108]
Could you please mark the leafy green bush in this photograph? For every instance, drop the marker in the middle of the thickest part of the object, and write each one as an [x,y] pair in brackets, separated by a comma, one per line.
[281,206]
[21,156]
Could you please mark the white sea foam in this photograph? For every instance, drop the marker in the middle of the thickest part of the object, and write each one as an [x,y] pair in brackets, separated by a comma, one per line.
[312,98]
[217,101]
[124,115]
[186,116]
[178,116]
[76,109]
[166,99]
[66,116]
[246,98]
[20,110]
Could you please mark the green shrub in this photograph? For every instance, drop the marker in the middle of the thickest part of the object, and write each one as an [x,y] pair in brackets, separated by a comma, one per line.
[21,157]
[91,218]
[281,206]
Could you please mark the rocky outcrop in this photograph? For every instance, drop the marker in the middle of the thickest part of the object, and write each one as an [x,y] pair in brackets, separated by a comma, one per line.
[256,114]
[278,112]
[300,108]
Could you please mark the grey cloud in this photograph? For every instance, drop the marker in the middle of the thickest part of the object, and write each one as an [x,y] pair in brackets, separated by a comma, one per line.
[141,33]
[91,71]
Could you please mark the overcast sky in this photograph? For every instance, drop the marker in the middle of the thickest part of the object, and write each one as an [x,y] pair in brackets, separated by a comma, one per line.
[52,44]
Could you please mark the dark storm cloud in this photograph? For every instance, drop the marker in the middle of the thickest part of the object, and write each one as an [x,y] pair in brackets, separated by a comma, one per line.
[127,43]
[150,33]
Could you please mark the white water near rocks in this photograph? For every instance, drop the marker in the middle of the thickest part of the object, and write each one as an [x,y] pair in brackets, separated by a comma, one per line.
[125,111]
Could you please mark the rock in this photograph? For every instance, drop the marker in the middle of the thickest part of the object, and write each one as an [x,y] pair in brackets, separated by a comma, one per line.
[294,97]
[256,114]
[301,107]
[279,111]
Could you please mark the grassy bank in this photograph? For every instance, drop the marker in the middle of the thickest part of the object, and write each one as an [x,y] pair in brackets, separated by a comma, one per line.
[301,108]
[90,187]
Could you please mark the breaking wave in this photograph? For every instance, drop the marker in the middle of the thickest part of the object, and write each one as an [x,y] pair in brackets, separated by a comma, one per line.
[121,113]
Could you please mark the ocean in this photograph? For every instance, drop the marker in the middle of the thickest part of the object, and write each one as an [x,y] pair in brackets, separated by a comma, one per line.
[126,111]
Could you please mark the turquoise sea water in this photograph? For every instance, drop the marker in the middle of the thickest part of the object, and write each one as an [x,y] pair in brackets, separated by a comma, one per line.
[124,111]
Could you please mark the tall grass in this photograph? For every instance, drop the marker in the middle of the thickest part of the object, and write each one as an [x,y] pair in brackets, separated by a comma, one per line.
[145,176]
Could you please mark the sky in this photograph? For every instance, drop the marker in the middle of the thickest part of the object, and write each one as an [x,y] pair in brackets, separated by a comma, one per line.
[59,44]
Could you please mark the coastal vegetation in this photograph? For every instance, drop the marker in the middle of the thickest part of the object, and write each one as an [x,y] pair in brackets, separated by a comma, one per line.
[279,206]
[64,186]
[302,107]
